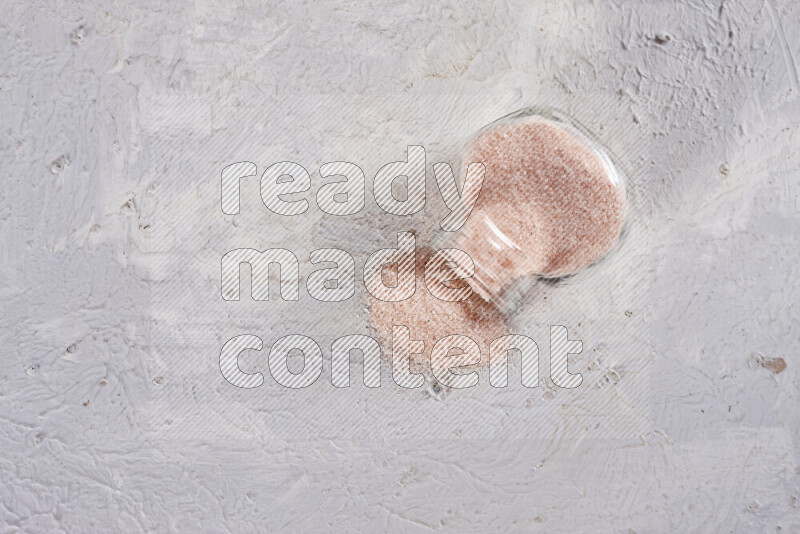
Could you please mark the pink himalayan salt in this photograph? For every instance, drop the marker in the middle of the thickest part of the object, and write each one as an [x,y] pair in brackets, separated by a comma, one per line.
[549,206]
[430,319]
[556,204]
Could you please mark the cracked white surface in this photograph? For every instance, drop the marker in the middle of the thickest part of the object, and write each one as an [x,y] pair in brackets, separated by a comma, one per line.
[699,99]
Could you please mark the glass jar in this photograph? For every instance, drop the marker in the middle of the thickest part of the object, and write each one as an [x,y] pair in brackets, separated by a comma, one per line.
[553,202]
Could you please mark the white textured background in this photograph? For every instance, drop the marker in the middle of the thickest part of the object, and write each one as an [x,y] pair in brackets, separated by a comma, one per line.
[100,431]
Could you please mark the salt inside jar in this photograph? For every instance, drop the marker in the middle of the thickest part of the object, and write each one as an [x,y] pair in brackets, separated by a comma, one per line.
[553,201]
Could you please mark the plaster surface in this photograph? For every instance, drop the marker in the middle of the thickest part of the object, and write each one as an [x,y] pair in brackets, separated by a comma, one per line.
[117,118]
